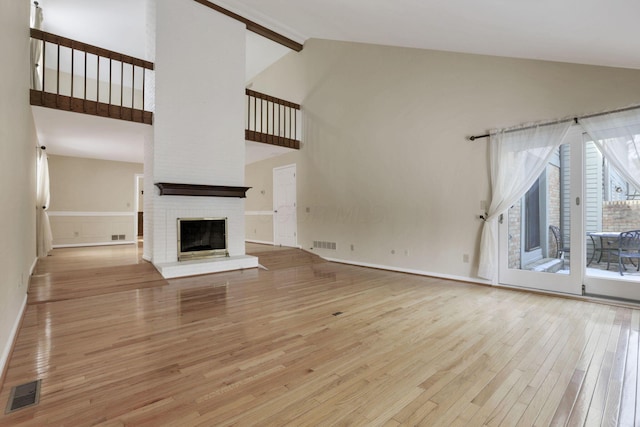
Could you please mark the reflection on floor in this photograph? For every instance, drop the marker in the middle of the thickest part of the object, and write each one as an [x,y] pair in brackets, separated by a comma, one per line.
[308,343]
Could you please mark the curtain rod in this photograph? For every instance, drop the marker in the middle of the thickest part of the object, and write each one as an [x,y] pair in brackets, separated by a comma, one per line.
[575,119]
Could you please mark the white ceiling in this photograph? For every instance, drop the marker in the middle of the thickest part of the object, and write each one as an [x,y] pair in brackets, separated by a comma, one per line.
[580,31]
[81,135]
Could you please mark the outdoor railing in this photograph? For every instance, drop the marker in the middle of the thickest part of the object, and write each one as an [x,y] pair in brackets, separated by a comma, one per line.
[79,77]
[272,120]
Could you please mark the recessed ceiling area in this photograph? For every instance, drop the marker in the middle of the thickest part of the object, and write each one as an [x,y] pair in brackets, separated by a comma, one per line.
[81,135]
[71,134]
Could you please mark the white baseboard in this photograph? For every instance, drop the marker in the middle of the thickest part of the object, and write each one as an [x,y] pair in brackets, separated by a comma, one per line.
[82,245]
[33,266]
[409,270]
[260,242]
[4,358]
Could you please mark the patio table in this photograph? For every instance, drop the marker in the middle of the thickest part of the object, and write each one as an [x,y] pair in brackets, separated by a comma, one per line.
[605,236]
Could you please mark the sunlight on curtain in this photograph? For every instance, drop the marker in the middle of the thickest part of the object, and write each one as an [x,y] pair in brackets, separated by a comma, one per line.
[36,50]
[617,136]
[517,158]
[43,232]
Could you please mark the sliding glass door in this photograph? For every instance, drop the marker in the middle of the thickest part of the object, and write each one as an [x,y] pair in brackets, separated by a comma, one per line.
[540,240]
[612,208]
[564,235]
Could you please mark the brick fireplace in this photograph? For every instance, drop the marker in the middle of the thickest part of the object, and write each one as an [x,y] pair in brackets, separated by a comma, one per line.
[198,135]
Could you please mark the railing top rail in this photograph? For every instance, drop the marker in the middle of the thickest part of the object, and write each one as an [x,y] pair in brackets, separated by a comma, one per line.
[78,45]
[272,99]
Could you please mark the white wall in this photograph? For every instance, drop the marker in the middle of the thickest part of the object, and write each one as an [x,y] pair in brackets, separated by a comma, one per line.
[385,164]
[198,123]
[17,170]
[92,200]
[117,25]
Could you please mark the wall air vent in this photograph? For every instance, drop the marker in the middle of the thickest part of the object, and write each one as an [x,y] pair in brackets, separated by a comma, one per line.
[324,245]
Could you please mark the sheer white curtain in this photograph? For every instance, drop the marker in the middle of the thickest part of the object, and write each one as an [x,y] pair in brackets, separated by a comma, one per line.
[43,228]
[517,158]
[36,51]
[617,136]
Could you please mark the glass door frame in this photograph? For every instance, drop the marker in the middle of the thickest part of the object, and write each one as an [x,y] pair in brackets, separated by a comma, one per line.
[570,283]
[613,286]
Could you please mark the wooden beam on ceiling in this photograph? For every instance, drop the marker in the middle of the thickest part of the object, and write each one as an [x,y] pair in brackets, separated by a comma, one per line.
[254,27]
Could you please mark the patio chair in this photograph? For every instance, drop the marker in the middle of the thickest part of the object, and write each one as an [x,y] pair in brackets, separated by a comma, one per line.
[629,248]
[561,249]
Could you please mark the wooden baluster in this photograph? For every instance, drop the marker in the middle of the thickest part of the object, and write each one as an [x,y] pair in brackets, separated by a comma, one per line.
[84,102]
[44,68]
[97,81]
[248,111]
[73,54]
[144,73]
[133,85]
[110,82]
[58,78]
[279,121]
[255,114]
[290,111]
[121,86]
[261,115]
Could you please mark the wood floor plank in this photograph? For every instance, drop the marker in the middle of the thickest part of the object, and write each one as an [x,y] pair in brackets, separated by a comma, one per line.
[115,345]
[591,362]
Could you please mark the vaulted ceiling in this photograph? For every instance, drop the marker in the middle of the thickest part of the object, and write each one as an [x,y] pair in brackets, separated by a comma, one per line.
[581,31]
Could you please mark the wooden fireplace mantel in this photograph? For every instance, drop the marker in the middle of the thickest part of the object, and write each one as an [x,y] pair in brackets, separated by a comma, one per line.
[169,189]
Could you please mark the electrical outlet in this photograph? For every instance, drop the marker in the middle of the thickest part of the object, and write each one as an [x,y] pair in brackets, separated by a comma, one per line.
[352,247]
[393,251]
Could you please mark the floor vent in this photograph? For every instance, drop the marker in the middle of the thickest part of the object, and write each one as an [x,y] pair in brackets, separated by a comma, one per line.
[337,313]
[324,245]
[23,396]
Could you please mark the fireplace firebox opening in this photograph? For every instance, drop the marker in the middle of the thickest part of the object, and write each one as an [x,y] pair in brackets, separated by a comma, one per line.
[202,238]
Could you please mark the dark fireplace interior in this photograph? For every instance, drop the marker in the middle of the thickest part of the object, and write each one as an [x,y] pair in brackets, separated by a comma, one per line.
[202,238]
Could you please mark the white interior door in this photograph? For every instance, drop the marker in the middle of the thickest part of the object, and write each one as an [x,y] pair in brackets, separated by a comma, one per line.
[529,253]
[285,225]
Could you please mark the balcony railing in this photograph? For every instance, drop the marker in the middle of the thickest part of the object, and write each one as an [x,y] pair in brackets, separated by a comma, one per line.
[79,77]
[272,120]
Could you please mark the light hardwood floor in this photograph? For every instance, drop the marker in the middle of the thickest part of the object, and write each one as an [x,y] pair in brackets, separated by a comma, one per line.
[115,344]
